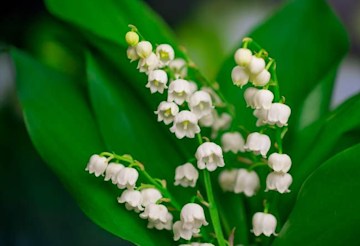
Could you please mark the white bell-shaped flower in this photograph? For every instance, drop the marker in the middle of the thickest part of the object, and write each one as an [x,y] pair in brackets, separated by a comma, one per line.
[112,170]
[132,38]
[132,200]
[157,81]
[262,78]
[193,87]
[192,216]
[279,114]
[180,232]
[221,122]
[186,175]
[185,125]
[150,196]
[200,103]
[232,141]
[263,99]
[97,165]
[179,91]
[209,155]
[155,213]
[258,143]
[261,115]
[159,225]
[144,49]
[243,57]
[178,67]
[131,54]
[249,96]
[279,182]
[227,179]
[240,76]
[127,178]
[148,64]
[256,65]
[247,182]
[264,223]
[279,162]
[165,54]
[166,112]
[209,119]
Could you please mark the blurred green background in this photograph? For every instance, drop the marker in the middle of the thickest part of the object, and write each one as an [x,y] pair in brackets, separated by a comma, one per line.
[35,208]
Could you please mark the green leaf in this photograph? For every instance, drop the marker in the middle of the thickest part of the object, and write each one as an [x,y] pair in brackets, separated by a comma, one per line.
[64,132]
[326,209]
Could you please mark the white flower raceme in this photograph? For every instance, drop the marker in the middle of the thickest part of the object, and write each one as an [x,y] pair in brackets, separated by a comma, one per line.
[127,178]
[279,162]
[279,114]
[165,54]
[232,141]
[193,87]
[243,57]
[150,196]
[264,223]
[185,125]
[209,155]
[258,143]
[132,38]
[227,179]
[247,182]
[279,182]
[157,81]
[131,54]
[240,76]
[96,165]
[261,115]
[249,96]
[156,213]
[132,200]
[159,225]
[180,232]
[263,99]
[179,91]
[262,78]
[112,170]
[200,103]
[256,65]
[186,175]
[178,67]
[148,64]
[144,49]
[192,216]
[166,112]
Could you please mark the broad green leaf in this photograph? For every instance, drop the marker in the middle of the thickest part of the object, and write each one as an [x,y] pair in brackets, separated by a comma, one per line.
[64,132]
[326,209]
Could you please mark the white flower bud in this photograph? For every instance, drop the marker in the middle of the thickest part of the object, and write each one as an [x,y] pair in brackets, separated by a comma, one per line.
[96,165]
[166,112]
[185,125]
[165,54]
[258,143]
[261,115]
[247,182]
[132,38]
[209,155]
[262,78]
[227,179]
[263,99]
[132,200]
[243,57]
[232,141]
[144,49]
[240,76]
[264,223]
[192,216]
[256,65]
[279,162]
[155,213]
[127,178]
[179,91]
[112,170]
[157,81]
[150,196]
[179,68]
[193,87]
[180,232]
[131,54]
[186,175]
[249,96]
[148,64]
[279,114]
[279,182]
[159,225]
[200,103]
